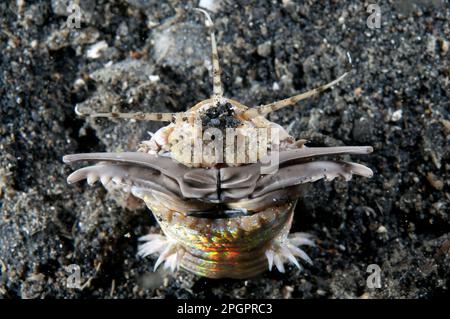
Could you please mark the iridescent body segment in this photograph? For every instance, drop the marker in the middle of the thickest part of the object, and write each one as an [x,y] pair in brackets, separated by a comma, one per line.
[220,216]
[223,247]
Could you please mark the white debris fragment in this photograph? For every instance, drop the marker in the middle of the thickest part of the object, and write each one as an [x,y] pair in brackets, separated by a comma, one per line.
[431,44]
[381,230]
[79,83]
[275,86]
[396,116]
[95,50]
[153,78]
[211,5]
[20,6]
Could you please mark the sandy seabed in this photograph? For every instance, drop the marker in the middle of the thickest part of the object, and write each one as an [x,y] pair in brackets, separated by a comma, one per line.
[152,56]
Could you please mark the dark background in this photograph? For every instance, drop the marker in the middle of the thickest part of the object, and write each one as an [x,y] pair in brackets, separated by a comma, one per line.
[396,99]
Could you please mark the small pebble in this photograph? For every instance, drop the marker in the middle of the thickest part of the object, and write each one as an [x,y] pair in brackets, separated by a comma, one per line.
[95,50]
[287,292]
[381,230]
[435,181]
[264,49]
[444,47]
[396,116]
[211,5]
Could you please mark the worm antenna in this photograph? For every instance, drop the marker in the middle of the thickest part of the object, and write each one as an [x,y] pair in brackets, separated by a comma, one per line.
[275,106]
[217,83]
[141,116]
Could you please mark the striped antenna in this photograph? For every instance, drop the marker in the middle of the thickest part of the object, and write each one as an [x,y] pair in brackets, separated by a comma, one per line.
[141,116]
[275,106]
[217,82]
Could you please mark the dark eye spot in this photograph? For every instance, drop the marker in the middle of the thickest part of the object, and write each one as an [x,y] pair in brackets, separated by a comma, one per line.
[220,116]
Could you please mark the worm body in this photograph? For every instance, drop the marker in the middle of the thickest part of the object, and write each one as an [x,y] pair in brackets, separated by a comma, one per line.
[222,181]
